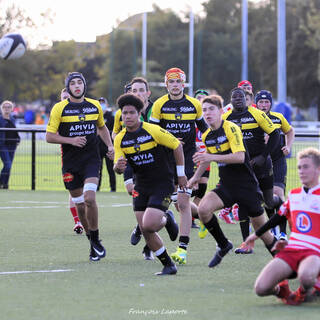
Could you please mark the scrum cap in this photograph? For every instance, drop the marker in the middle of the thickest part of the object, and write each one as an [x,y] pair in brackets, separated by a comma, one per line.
[175,73]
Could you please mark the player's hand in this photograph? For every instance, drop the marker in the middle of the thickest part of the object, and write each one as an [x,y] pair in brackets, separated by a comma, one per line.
[286,150]
[79,141]
[201,157]
[182,182]
[181,141]
[121,165]
[279,245]
[110,153]
[251,239]
[192,183]
[258,161]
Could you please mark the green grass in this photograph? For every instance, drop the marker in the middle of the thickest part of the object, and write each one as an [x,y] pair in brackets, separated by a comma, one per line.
[48,168]
[36,234]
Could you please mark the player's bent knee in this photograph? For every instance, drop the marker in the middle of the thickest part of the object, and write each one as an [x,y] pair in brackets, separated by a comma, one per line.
[260,289]
[307,280]
[78,200]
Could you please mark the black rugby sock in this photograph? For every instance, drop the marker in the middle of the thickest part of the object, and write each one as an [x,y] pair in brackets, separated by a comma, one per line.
[245,227]
[215,230]
[165,259]
[183,242]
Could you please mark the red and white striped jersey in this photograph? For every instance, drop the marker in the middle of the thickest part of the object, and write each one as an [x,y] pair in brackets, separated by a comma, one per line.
[302,209]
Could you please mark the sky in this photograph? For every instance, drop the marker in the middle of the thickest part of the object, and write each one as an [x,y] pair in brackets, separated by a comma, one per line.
[83,20]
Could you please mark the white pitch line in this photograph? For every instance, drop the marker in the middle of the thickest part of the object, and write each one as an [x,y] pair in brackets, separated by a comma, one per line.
[25,201]
[122,205]
[30,207]
[36,271]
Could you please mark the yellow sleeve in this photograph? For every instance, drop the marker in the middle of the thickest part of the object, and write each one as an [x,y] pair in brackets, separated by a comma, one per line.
[263,120]
[118,152]
[235,138]
[198,106]
[55,117]
[285,126]
[161,136]
[117,125]
[100,120]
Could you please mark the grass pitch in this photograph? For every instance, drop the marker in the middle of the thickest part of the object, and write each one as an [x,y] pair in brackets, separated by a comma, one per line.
[36,236]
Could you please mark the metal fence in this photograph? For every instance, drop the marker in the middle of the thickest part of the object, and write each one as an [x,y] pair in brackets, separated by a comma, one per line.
[37,164]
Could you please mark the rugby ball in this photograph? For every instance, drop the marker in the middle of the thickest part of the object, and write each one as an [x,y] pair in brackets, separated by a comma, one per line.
[12,46]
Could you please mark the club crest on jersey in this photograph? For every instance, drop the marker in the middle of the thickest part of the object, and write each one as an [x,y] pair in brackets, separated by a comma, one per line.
[178,116]
[82,117]
[303,222]
[137,147]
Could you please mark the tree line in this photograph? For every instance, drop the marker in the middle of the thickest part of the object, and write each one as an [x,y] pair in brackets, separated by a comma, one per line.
[115,58]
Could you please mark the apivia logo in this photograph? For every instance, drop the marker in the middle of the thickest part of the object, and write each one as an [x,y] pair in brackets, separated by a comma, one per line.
[142,156]
[303,222]
[81,127]
[89,110]
[178,126]
[143,139]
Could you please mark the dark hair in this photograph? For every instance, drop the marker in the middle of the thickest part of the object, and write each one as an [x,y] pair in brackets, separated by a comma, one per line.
[237,89]
[214,99]
[140,80]
[129,99]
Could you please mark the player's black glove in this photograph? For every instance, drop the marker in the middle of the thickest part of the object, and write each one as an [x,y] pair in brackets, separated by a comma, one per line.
[258,161]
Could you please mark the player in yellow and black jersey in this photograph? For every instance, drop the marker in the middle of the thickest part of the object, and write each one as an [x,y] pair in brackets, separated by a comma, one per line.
[140,87]
[254,124]
[74,123]
[142,145]
[279,163]
[179,114]
[238,184]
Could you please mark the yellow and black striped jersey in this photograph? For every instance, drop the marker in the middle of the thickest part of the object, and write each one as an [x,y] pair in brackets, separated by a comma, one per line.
[71,119]
[145,150]
[253,123]
[225,140]
[179,117]
[284,127]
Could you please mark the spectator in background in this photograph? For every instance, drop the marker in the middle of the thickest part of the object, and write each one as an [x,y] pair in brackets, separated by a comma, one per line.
[29,116]
[285,109]
[109,121]
[8,142]
[299,115]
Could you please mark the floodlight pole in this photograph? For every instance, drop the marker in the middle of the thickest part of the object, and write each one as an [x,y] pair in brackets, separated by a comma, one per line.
[244,31]
[191,46]
[282,63]
[144,44]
